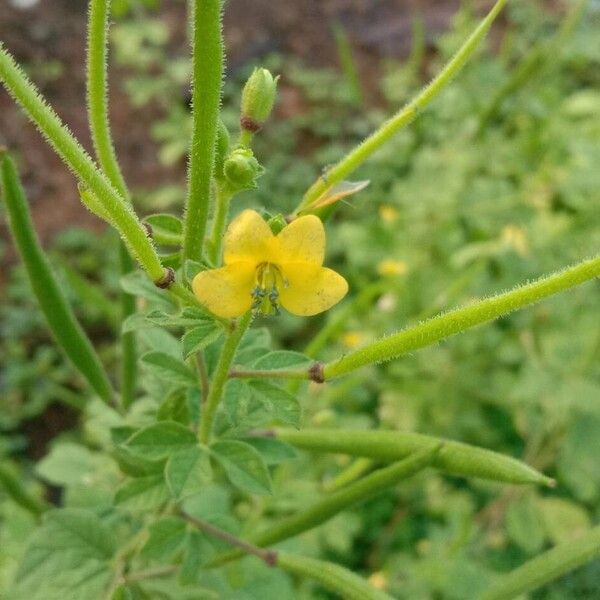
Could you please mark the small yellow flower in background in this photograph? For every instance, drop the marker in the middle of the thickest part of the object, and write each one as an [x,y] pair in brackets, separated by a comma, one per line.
[263,270]
[388,213]
[352,339]
[392,267]
[516,238]
[378,580]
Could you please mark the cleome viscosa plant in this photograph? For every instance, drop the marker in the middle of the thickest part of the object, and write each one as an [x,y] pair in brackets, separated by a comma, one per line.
[205,414]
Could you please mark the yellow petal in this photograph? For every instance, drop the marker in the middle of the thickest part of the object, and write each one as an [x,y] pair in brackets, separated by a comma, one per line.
[311,289]
[227,291]
[247,239]
[302,241]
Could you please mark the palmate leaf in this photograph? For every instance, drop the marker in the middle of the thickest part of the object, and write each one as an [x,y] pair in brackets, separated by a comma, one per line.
[160,440]
[169,368]
[188,471]
[243,465]
[67,558]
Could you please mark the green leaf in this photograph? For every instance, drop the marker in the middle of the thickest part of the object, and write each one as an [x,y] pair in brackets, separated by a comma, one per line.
[564,520]
[273,451]
[168,367]
[166,537]
[138,284]
[243,465]
[193,558]
[166,229]
[134,465]
[71,464]
[122,592]
[284,406]
[187,472]
[67,558]
[524,524]
[175,408]
[188,317]
[192,268]
[160,440]
[281,359]
[200,337]
[242,409]
[142,494]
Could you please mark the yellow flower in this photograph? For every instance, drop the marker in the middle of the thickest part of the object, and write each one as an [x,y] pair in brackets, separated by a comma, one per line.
[388,213]
[392,267]
[263,271]
[352,339]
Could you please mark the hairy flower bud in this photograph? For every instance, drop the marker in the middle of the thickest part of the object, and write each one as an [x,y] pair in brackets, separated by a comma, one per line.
[241,170]
[258,98]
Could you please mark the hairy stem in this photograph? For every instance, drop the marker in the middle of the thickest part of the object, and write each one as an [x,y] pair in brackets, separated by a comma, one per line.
[402,118]
[222,202]
[221,374]
[75,157]
[207,74]
[461,319]
[97,107]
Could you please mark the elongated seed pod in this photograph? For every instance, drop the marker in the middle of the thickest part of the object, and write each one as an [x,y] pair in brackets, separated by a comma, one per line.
[454,457]
[62,322]
[359,491]
[546,567]
[334,578]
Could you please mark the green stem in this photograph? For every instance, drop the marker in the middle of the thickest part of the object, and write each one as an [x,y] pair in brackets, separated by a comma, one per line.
[454,457]
[223,200]
[359,491]
[269,373]
[453,322]
[267,555]
[221,374]
[351,473]
[128,340]
[540,55]
[207,74]
[348,64]
[15,490]
[336,579]
[97,106]
[61,320]
[362,152]
[546,567]
[153,573]
[71,152]
[97,91]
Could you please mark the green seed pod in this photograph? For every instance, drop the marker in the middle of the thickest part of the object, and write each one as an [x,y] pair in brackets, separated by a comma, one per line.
[241,170]
[258,97]
[332,577]
[454,457]
[221,149]
[52,301]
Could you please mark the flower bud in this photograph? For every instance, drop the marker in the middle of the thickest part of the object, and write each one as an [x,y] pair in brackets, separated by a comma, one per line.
[241,169]
[258,98]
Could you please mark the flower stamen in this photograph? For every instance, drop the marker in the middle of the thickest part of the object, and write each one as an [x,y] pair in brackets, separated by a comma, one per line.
[265,295]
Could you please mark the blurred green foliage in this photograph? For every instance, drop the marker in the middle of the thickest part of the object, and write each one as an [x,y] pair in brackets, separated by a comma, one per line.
[452,213]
